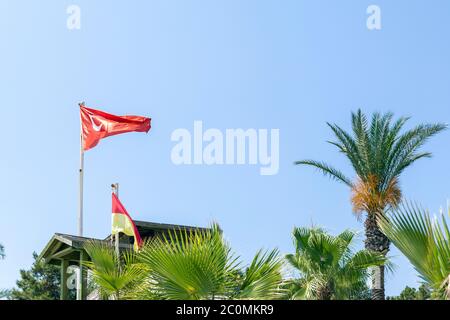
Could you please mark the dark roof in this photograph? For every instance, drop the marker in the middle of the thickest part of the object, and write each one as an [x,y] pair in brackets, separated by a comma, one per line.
[71,240]
[63,246]
[166,226]
[146,228]
[69,246]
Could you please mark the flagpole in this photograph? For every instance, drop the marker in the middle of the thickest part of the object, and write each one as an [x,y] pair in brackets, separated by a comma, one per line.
[80,280]
[115,189]
[80,195]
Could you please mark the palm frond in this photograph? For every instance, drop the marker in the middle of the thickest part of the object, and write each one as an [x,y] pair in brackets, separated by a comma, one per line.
[364,147]
[327,264]
[350,149]
[326,170]
[189,265]
[262,279]
[404,152]
[423,240]
[113,275]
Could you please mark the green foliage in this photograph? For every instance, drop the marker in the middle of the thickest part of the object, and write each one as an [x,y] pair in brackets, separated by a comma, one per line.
[328,267]
[378,153]
[377,149]
[114,276]
[262,278]
[423,293]
[200,265]
[2,252]
[424,241]
[41,282]
[4,293]
[187,265]
[190,265]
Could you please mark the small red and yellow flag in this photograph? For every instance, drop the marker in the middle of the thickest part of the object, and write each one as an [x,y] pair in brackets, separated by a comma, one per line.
[122,222]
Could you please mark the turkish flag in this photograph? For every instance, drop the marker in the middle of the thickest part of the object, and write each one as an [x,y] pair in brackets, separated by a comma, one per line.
[96,125]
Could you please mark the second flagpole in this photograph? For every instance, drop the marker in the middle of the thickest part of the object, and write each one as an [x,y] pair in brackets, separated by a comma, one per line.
[115,190]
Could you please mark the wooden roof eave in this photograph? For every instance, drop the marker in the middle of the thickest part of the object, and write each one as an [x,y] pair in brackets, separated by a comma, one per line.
[67,247]
[50,251]
[48,248]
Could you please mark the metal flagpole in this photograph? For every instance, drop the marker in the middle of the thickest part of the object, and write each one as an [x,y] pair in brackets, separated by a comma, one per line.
[80,196]
[115,189]
[80,278]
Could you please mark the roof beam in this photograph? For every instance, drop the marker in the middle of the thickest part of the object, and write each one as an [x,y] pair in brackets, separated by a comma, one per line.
[61,254]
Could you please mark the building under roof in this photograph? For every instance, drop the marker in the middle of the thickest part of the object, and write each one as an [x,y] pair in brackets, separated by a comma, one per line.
[67,250]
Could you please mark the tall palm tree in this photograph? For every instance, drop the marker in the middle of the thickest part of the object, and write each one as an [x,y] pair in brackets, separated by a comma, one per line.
[379,154]
[113,276]
[424,241]
[199,265]
[328,267]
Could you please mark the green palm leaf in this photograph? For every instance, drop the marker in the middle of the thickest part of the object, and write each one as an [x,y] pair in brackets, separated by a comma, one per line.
[189,265]
[424,241]
[263,278]
[328,267]
[326,170]
[199,265]
[114,276]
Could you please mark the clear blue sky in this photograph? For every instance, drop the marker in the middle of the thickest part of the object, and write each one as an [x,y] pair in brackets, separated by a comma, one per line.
[291,65]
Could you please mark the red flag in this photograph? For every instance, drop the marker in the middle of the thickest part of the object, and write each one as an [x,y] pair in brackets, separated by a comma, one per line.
[97,125]
[122,222]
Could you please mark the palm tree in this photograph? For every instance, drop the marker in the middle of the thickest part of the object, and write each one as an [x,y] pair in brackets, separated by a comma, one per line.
[379,154]
[199,265]
[328,267]
[184,265]
[113,276]
[2,251]
[424,241]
